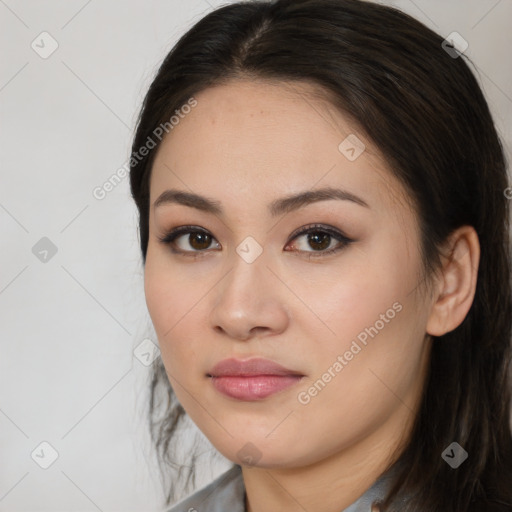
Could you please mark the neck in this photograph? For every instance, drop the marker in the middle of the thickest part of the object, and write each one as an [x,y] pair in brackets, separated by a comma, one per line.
[333,483]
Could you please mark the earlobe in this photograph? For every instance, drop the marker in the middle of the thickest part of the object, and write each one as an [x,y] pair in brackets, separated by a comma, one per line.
[456,282]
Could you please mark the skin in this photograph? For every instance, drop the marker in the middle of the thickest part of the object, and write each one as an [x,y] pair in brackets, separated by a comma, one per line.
[245,144]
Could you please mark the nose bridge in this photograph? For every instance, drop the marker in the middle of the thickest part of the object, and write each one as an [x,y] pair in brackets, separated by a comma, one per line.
[249,272]
[247,298]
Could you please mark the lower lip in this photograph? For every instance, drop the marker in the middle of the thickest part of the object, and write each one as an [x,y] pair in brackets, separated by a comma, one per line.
[253,387]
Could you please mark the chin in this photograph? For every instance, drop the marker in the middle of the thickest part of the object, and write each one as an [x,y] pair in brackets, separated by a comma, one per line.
[265,455]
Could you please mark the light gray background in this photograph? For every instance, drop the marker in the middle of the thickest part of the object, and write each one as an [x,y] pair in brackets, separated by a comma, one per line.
[69,325]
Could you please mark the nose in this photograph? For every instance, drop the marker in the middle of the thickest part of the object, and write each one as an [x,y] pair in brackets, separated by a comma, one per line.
[249,301]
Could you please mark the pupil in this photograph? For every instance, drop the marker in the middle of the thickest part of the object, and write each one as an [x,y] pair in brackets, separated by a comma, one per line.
[204,240]
[322,239]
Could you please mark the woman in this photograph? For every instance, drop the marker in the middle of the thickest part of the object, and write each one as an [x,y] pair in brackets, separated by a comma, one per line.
[325,233]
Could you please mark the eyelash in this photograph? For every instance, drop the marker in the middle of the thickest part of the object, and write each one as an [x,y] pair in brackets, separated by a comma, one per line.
[170,237]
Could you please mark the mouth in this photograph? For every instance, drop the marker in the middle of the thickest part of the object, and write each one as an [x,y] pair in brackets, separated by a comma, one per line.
[253,379]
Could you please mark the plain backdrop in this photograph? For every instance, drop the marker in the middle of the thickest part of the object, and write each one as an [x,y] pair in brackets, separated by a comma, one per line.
[72,312]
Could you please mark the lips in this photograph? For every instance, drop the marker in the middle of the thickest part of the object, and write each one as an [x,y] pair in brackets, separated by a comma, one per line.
[253,379]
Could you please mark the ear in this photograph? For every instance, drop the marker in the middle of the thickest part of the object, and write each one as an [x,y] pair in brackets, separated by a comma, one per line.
[456,284]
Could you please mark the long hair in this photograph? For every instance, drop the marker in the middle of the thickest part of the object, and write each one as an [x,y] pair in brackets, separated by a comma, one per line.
[423,108]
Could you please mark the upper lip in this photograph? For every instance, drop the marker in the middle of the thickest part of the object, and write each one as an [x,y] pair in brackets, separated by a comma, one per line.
[249,367]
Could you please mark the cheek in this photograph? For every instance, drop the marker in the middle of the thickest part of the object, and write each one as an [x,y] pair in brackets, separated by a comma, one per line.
[158,293]
[170,304]
[372,279]
[376,324]
[383,352]
[356,385]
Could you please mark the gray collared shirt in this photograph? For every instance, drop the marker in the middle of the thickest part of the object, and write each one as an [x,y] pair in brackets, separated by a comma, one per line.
[227,494]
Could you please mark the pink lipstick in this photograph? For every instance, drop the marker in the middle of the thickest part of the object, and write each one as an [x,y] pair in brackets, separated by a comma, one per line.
[253,379]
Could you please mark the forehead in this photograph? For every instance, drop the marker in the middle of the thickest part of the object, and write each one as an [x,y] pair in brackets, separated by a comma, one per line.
[248,139]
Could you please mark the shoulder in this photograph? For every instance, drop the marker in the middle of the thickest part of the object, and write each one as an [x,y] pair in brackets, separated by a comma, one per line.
[226,492]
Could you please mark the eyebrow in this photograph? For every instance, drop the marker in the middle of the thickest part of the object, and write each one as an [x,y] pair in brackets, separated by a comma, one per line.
[277,207]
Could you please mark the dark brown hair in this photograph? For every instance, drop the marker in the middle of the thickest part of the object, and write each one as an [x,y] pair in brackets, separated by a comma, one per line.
[426,113]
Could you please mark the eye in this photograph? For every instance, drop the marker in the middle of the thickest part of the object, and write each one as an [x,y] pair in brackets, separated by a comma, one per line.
[195,237]
[322,239]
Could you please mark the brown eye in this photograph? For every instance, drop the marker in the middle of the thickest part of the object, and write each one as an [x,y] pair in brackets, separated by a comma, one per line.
[189,240]
[199,241]
[318,240]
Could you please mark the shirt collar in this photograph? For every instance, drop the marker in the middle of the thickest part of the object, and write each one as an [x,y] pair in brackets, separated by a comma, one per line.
[227,492]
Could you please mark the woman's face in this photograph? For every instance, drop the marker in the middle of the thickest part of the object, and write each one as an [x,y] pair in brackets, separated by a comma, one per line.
[347,319]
